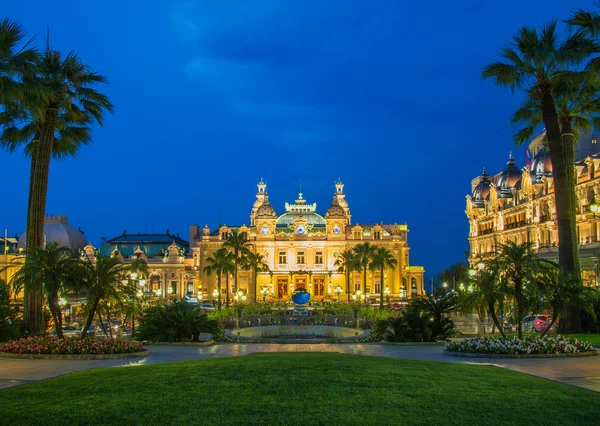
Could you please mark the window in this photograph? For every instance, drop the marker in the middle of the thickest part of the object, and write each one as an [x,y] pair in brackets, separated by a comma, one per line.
[282,257]
[224,235]
[300,257]
[594,140]
[356,283]
[319,257]
[413,287]
[377,235]
[357,235]
[377,285]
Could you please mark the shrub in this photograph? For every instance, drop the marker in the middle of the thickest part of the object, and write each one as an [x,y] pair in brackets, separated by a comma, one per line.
[70,346]
[225,318]
[175,322]
[514,345]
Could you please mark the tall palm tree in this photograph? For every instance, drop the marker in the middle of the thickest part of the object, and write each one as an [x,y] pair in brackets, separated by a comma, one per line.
[515,266]
[103,280]
[256,263]
[587,24]
[221,263]
[347,262]
[487,296]
[535,63]
[52,267]
[382,259]
[364,254]
[237,242]
[454,274]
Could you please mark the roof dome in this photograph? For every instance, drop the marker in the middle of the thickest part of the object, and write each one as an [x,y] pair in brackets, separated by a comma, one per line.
[509,178]
[288,218]
[481,192]
[541,166]
[58,230]
[335,210]
[266,210]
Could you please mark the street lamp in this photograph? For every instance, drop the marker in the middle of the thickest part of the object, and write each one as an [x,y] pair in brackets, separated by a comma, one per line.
[339,290]
[264,291]
[387,292]
[594,208]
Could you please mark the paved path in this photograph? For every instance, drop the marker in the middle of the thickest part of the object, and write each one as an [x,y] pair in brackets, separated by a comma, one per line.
[581,372]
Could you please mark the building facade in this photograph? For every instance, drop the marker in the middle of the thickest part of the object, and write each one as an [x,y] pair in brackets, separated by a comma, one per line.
[518,205]
[301,246]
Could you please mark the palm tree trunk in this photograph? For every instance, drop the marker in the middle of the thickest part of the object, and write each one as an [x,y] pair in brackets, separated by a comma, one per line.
[348,283]
[563,171]
[56,315]
[381,288]
[90,317]
[219,288]
[554,317]
[520,307]
[495,318]
[227,290]
[255,284]
[235,277]
[365,280]
[37,211]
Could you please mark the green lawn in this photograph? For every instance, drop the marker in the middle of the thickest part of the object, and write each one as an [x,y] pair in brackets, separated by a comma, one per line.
[299,388]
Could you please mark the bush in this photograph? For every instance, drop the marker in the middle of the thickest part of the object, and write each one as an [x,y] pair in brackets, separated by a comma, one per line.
[414,326]
[516,346]
[175,322]
[53,345]
[10,327]
[225,318]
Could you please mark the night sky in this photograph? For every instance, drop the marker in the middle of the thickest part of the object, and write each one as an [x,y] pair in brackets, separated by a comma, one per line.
[210,96]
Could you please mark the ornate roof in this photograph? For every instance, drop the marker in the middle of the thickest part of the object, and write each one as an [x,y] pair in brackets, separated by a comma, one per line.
[300,210]
[509,178]
[541,166]
[266,210]
[335,210]
[58,230]
[481,192]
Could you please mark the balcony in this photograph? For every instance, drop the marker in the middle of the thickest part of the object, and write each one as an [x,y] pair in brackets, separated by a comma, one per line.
[486,231]
[515,224]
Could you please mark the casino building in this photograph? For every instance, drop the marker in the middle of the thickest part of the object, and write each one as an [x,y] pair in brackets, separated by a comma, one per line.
[517,204]
[301,246]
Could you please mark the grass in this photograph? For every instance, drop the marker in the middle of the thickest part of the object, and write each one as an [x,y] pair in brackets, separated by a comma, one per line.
[299,388]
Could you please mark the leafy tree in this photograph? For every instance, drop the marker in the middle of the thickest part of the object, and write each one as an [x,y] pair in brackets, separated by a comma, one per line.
[52,269]
[516,266]
[103,279]
[221,263]
[454,274]
[364,254]
[437,307]
[237,243]
[175,322]
[347,262]
[535,63]
[256,263]
[382,260]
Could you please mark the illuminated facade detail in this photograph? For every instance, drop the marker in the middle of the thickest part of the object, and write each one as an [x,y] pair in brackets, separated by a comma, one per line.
[301,246]
[518,205]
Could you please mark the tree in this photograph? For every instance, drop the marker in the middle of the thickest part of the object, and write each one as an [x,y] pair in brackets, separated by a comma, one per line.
[103,279]
[237,242]
[382,259]
[516,266]
[52,268]
[587,24]
[347,262]
[437,307]
[364,255]
[454,275]
[256,263]
[221,263]
[487,296]
[535,63]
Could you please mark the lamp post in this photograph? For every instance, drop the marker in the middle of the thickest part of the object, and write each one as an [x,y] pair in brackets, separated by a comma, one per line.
[215,295]
[264,291]
[338,291]
[387,292]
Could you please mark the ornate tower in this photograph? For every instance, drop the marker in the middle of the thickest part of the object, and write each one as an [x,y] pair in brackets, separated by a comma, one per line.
[341,199]
[261,196]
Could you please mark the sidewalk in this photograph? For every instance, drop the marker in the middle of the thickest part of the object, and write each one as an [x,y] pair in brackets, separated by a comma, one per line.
[581,372]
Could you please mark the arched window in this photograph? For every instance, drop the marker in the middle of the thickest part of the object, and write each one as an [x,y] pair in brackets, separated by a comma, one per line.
[413,287]
[154,282]
[403,289]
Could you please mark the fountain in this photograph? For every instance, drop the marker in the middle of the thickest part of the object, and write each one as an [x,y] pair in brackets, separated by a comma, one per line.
[291,329]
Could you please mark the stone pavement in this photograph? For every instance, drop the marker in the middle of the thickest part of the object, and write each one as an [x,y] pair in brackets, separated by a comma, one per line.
[581,372]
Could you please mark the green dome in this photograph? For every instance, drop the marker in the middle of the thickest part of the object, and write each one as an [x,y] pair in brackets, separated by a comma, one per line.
[289,218]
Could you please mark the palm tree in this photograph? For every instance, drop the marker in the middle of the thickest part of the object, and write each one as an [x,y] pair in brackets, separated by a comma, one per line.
[382,259]
[454,274]
[364,255]
[256,263]
[103,280]
[221,263]
[535,62]
[437,307]
[347,263]
[515,266]
[487,294]
[237,242]
[587,24]
[52,267]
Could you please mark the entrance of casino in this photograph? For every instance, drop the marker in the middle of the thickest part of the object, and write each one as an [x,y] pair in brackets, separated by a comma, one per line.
[283,284]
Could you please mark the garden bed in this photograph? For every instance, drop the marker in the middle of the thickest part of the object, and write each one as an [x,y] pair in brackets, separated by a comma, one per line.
[52,347]
[512,347]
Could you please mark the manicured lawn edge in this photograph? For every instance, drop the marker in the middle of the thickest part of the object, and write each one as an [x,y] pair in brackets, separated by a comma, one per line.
[522,356]
[413,343]
[71,357]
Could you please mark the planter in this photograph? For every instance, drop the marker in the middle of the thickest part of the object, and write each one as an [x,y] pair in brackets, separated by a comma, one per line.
[71,357]
[520,356]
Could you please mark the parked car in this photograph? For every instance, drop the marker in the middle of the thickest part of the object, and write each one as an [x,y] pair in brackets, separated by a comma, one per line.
[91,331]
[207,306]
[190,299]
[537,323]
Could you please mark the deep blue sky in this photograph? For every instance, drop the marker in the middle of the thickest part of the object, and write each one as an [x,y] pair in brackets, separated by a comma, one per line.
[211,95]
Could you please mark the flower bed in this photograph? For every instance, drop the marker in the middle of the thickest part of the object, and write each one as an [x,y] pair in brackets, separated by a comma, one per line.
[529,345]
[52,345]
